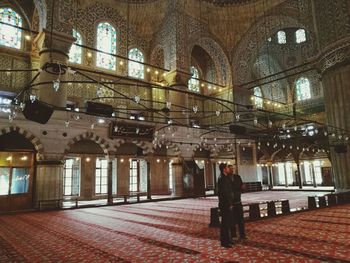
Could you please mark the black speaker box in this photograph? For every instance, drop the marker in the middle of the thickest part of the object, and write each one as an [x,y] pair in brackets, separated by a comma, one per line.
[99,109]
[37,111]
[236,129]
[341,148]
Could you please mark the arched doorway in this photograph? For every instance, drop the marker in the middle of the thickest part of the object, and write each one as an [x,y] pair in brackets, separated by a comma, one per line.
[17,160]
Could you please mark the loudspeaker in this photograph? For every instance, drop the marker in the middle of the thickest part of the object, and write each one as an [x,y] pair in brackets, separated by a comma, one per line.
[99,109]
[235,129]
[341,148]
[37,111]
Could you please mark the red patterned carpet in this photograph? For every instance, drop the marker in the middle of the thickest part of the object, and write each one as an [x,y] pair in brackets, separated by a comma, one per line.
[170,231]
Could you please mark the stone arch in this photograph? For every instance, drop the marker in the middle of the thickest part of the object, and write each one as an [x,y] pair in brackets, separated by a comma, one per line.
[243,54]
[219,57]
[144,145]
[89,136]
[41,8]
[174,147]
[39,147]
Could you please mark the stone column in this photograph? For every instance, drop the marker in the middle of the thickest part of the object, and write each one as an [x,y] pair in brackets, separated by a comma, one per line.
[269,170]
[333,27]
[336,82]
[178,81]
[110,182]
[53,50]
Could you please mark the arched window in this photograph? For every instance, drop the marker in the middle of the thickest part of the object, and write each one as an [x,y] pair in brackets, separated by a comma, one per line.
[281,37]
[303,89]
[75,51]
[106,42]
[136,69]
[193,83]
[10,36]
[258,97]
[300,36]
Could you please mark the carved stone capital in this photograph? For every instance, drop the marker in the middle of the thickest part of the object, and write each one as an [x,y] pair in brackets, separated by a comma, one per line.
[57,42]
[177,78]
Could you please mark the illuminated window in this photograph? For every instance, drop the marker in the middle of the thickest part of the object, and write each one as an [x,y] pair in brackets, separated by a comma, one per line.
[136,69]
[5,104]
[281,37]
[75,51]
[10,36]
[303,89]
[133,175]
[318,172]
[193,83]
[281,174]
[258,97]
[101,176]
[300,35]
[71,177]
[307,173]
[171,176]
[289,173]
[106,42]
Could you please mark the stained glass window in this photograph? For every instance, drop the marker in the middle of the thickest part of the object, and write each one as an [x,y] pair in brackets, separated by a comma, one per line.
[75,51]
[193,83]
[135,69]
[10,36]
[303,89]
[258,97]
[106,42]
[281,36]
[300,35]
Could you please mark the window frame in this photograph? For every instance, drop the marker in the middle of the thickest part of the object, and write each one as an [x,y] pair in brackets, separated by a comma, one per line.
[97,53]
[298,91]
[21,40]
[78,47]
[194,80]
[99,170]
[139,63]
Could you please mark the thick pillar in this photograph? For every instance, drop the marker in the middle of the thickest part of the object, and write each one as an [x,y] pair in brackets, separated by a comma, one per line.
[53,49]
[179,100]
[300,183]
[110,182]
[269,170]
[336,82]
[332,23]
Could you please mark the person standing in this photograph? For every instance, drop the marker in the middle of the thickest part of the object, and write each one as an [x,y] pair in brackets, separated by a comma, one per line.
[225,205]
[237,209]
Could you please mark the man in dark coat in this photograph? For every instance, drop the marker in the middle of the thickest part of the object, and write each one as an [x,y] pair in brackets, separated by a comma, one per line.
[225,205]
[237,209]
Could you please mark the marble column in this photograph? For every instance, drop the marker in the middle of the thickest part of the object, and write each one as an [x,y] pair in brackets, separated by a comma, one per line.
[53,51]
[332,24]
[336,83]
[110,182]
